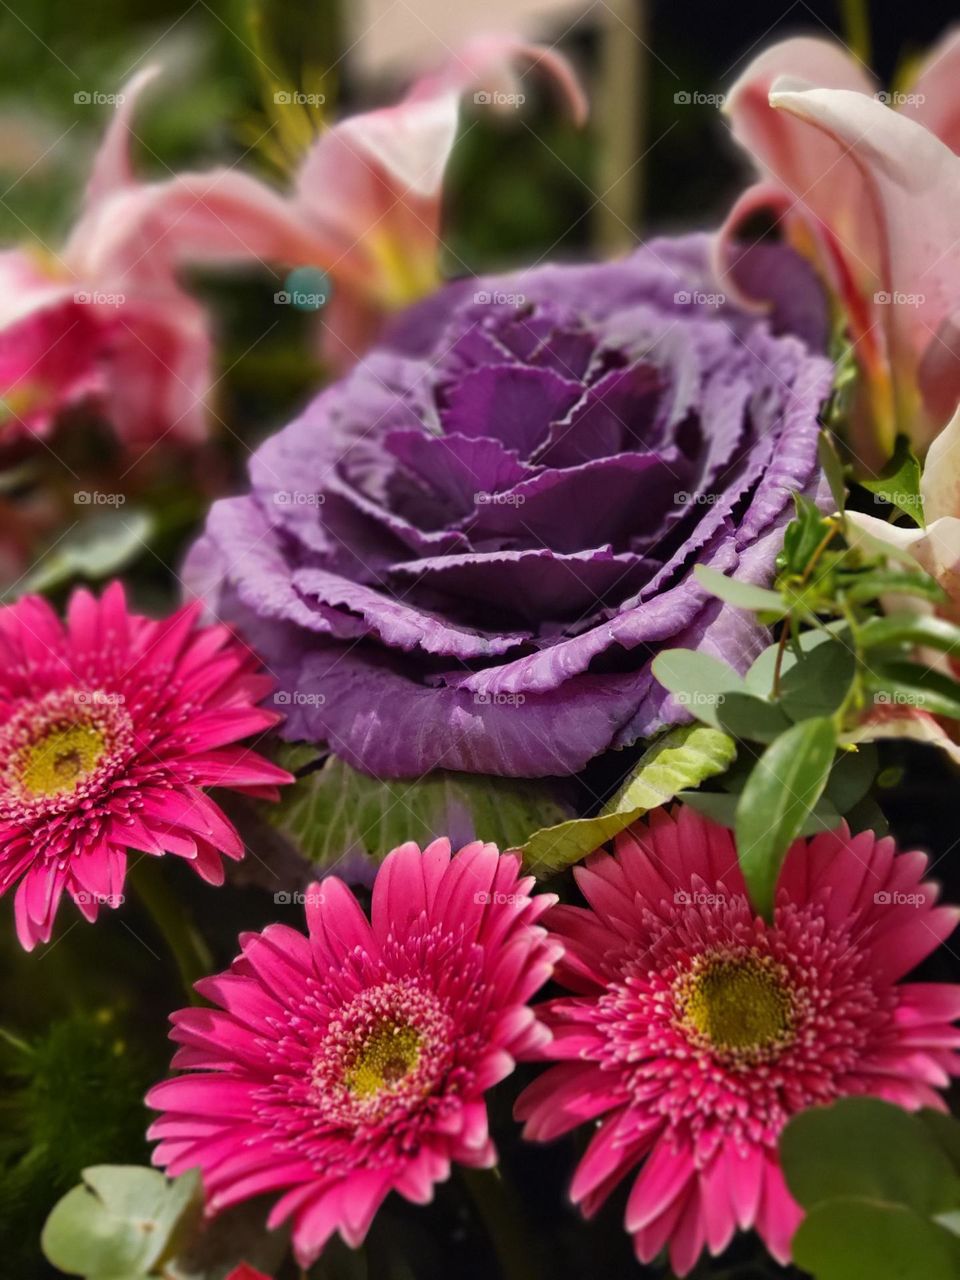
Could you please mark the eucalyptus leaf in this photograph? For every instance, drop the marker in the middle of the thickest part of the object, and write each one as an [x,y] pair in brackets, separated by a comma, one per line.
[744,595]
[678,761]
[852,1239]
[698,682]
[783,788]
[750,718]
[845,1150]
[118,1222]
[759,677]
[880,1187]
[817,684]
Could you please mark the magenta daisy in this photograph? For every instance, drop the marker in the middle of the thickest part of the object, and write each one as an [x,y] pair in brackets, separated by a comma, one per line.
[355,1062]
[696,1030]
[111,725]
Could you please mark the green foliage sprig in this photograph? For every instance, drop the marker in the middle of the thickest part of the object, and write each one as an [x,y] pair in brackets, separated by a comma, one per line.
[805,705]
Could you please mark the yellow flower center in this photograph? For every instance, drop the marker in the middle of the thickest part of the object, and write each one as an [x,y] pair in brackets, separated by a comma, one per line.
[63,757]
[389,1054]
[738,1004]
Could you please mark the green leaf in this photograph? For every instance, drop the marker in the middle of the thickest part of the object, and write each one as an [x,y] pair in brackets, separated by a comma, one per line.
[718,806]
[833,470]
[876,1182]
[853,1239]
[97,548]
[697,681]
[866,815]
[749,718]
[745,595]
[336,812]
[783,788]
[119,1222]
[851,777]
[759,678]
[802,536]
[877,582]
[946,1133]
[911,629]
[899,482]
[817,684]
[845,1150]
[681,759]
[910,684]
[721,807]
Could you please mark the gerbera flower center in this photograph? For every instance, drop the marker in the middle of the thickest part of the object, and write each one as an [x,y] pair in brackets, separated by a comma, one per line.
[58,760]
[387,1057]
[383,1054]
[738,1004]
[54,750]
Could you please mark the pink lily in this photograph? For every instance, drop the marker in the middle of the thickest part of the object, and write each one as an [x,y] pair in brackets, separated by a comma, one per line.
[77,323]
[364,208]
[870,194]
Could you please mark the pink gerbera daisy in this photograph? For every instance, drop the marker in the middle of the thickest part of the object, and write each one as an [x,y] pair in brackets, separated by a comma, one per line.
[355,1062]
[110,726]
[696,1030]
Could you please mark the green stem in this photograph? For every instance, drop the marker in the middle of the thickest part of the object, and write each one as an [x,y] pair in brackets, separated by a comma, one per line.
[515,1248]
[856,28]
[186,945]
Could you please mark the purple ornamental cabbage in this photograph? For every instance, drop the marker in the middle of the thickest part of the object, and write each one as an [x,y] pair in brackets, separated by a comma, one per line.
[466,552]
